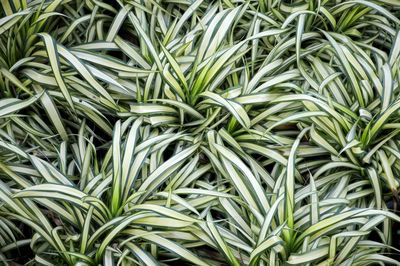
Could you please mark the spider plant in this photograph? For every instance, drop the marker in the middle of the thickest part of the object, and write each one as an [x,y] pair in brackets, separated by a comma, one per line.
[199,132]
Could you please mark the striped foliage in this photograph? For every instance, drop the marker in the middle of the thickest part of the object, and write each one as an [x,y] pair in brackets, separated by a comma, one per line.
[191,132]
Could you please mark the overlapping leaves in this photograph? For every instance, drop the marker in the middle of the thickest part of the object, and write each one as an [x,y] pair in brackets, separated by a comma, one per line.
[156,132]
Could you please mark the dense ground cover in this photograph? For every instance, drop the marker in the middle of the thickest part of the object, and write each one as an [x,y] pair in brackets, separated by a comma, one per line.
[181,132]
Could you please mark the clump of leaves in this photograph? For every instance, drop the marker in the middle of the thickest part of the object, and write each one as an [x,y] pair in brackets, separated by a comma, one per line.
[226,132]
